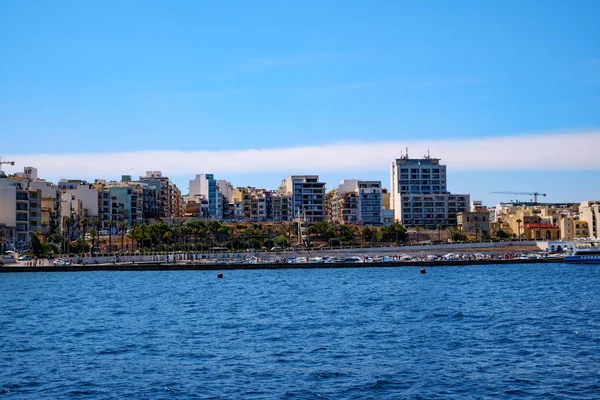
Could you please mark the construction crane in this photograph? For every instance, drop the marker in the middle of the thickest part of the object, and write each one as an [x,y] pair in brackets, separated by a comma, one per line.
[534,194]
[5,162]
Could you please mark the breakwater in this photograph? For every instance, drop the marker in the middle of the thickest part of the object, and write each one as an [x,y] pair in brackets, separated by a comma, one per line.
[184,266]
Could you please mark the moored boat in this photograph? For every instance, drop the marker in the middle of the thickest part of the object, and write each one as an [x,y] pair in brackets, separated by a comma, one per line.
[585,253]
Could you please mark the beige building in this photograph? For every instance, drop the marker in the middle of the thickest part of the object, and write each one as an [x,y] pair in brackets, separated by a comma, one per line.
[589,211]
[475,223]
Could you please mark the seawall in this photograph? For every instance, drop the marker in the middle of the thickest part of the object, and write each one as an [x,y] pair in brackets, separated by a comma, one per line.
[183,266]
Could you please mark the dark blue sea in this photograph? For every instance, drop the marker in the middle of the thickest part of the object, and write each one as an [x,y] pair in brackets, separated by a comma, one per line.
[481,332]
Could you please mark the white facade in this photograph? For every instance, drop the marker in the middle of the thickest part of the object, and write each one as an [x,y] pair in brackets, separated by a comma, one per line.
[419,194]
[82,192]
[476,205]
[204,186]
[226,188]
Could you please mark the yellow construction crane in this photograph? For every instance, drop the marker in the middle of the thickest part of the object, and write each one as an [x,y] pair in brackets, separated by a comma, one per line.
[534,194]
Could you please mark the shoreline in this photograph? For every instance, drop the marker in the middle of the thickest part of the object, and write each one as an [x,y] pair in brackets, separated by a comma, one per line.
[183,266]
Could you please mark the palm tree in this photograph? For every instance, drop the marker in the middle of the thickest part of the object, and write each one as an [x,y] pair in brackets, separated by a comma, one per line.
[519,228]
[142,237]
[68,223]
[84,223]
[98,225]
[122,226]
[133,238]
[93,236]
[439,229]
[110,224]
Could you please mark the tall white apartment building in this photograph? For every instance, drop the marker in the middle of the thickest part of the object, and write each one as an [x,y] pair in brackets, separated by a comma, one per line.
[419,194]
[204,186]
[226,188]
[308,196]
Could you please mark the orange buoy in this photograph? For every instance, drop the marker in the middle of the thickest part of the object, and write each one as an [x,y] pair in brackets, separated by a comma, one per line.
[423,271]
[220,275]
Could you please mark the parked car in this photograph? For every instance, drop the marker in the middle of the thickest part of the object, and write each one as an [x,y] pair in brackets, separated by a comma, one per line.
[61,262]
[25,258]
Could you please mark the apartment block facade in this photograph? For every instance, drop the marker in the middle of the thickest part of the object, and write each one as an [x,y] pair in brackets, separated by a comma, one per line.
[308,196]
[356,202]
[204,186]
[419,194]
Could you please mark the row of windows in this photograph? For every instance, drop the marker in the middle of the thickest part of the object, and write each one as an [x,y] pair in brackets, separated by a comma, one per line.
[423,170]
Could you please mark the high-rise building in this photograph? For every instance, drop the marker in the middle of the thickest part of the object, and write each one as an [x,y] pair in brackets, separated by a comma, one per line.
[169,201]
[357,202]
[419,196]
[20,208]
[204,186]
[50,200]
[308,196]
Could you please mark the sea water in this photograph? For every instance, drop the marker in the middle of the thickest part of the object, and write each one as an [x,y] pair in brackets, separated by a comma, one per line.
[495,331]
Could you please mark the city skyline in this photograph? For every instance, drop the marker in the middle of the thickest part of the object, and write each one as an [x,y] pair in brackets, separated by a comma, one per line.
[504,94]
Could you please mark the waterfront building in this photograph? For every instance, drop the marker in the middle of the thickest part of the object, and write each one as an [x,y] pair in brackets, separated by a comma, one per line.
[357,202]
[541,231]
[82,191]
[476,222]
[308,196]
[226,188]
[21,209]
[204,186]
[419,194]
[388,211]
[7,237]
[129,197]
[589,211]
[242,198]
[50,200]
[169,201]
[283,209]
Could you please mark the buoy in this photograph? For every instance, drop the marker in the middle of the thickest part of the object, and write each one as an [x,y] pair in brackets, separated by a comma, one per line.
[423,271]
[220,275]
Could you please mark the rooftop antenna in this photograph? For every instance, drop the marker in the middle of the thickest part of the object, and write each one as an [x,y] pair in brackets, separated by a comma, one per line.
[407,152]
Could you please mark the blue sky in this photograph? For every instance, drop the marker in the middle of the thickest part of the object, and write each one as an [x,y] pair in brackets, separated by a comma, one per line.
[118,78]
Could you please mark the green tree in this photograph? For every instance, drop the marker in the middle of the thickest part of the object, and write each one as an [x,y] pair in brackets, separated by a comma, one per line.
[93,236]
[36,245]
[394,233]
[84,225]
[367,234]
[68,224]
[282,242]
[98,225]
[122,228]
[110,225]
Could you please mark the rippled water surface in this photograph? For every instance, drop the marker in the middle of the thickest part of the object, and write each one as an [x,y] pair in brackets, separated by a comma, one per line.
[520,331]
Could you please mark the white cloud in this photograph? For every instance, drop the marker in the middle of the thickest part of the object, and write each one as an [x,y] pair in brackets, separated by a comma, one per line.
[553,151]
